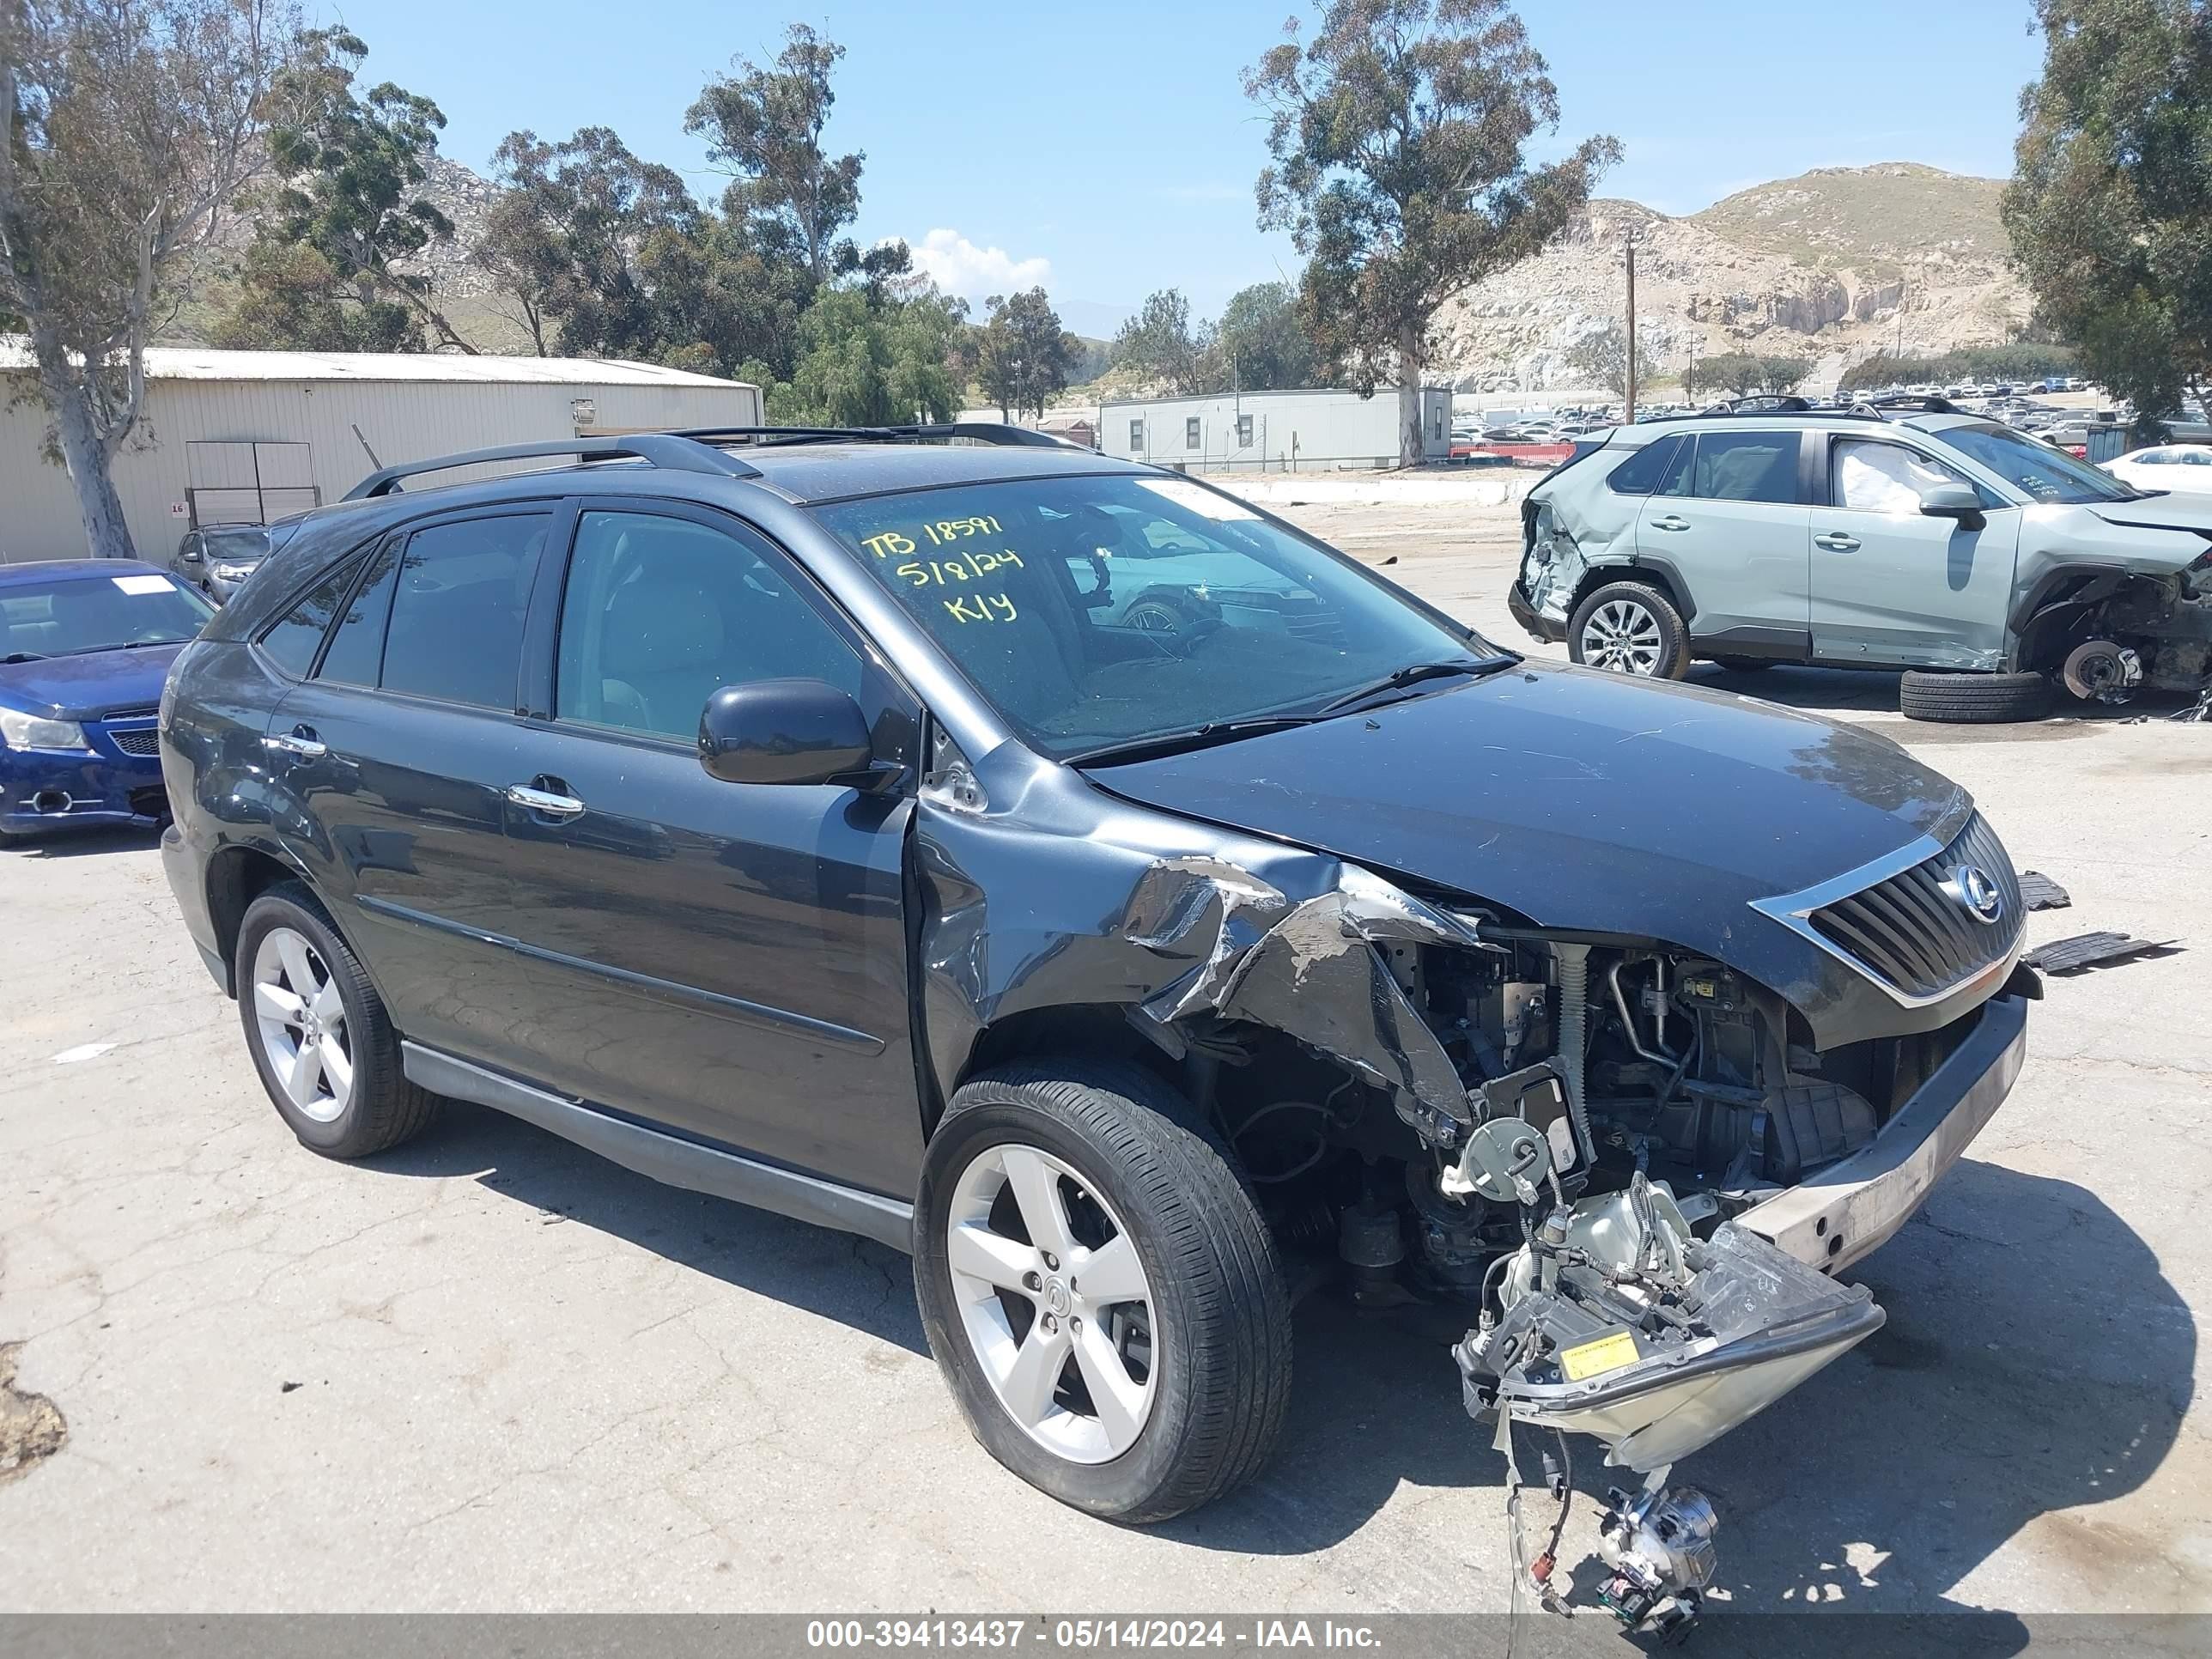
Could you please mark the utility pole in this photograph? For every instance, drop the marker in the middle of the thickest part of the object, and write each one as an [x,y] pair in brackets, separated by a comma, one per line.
[1628,405]
[1690,374]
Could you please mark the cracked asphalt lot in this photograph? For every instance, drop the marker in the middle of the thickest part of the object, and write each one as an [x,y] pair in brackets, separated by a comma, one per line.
[489,1372]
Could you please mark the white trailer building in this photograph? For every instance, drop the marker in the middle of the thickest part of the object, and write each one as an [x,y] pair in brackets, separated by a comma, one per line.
[1297,431]
[247,437]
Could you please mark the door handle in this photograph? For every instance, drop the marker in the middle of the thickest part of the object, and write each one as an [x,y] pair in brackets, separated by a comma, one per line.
[553,805]
[1668,521]
[1836,541]
[301,740]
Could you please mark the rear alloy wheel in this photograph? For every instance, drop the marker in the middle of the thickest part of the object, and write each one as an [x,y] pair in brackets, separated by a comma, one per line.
[302,1016]
[318,1033]
[1099,1289]
[1966,699]
[1629,627]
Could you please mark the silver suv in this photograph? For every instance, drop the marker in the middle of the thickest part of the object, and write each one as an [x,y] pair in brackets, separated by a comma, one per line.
[1905,535]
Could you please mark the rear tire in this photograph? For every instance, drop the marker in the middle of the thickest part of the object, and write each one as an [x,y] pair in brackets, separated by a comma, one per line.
[1197,1302]
[318,1033]
[1966,699]
[1629,628]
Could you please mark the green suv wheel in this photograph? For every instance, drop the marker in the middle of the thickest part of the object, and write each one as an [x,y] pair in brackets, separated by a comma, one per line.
[1629,628]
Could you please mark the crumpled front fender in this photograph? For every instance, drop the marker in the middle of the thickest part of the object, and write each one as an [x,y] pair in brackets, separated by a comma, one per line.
[1087,902]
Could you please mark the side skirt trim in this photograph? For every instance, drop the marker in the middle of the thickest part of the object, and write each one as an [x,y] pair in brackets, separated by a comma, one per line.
[666,1157]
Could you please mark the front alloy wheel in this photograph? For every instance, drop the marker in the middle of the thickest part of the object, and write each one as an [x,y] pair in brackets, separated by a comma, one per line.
[1099,1289]
[1054,1301]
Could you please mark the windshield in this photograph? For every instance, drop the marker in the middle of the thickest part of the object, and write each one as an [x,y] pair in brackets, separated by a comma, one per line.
[245,545]
[2041,472]
[1099,612]
[79,614]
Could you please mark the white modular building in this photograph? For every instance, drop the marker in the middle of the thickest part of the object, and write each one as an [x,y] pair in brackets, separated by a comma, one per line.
[249,437]
[1295,431]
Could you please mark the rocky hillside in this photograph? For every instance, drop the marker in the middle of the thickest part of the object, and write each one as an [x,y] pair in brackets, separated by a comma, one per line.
[1827,266]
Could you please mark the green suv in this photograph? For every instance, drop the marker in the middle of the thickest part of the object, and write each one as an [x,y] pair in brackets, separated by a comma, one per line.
[1905,535]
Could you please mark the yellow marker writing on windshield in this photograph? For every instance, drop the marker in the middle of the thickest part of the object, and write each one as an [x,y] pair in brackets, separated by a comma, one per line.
[960,568]
[985,607]
[889,543]
[952,530]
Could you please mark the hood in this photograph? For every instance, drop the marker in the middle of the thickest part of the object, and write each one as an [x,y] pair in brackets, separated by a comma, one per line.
[1582,801]
[2190,511]
[88,687]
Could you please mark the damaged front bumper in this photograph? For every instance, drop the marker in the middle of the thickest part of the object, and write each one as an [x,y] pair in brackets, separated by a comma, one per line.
[1842,1213]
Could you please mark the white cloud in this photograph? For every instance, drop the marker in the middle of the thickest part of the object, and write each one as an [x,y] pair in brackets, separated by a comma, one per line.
[958,266]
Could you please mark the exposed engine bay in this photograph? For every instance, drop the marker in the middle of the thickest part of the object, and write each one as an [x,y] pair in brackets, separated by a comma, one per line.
[1634,1164]
[1624,1104]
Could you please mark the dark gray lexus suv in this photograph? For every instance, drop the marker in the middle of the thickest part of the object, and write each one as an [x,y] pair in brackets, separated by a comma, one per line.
[1058,869]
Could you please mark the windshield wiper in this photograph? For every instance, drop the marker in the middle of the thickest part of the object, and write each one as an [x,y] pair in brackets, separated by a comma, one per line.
[126,645]
[1182,742]
[13,657]
[1412,674]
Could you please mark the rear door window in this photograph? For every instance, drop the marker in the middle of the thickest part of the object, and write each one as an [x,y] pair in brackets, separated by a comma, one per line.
[462,591]
[1745,466]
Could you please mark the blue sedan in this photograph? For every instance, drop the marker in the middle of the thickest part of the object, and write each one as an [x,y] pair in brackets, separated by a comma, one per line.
[85,645]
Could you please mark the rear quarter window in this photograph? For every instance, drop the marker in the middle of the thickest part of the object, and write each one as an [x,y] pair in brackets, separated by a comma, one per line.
[1640,473]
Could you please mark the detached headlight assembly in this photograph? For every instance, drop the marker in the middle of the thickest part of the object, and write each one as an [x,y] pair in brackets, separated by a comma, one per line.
[22,731]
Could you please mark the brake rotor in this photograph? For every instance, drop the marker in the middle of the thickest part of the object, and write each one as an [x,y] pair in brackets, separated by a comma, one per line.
[2100,671]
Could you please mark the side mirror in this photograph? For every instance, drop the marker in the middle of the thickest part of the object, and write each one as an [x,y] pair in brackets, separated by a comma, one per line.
[784,732]
[189,553]
[1953,500]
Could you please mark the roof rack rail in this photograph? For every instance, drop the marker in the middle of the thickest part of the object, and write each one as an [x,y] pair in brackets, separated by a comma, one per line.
[986,431]
[1721,412]
[1911,404]
[673,452]
[1762,403]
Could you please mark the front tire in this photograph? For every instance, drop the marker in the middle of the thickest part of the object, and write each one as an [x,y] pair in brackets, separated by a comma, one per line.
[318,1033]
[1629,628]
[1099,1290]
[1968,699]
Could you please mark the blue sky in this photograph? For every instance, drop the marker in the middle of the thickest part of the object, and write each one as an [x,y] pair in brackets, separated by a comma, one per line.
[1107,150]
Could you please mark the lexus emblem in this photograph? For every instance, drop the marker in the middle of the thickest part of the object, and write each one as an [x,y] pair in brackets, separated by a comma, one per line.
[1973,886]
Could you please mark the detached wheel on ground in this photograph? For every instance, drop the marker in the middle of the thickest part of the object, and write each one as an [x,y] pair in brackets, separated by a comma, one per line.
[1629,628]
[318,1033]
[1099,1290]
[1973,699]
